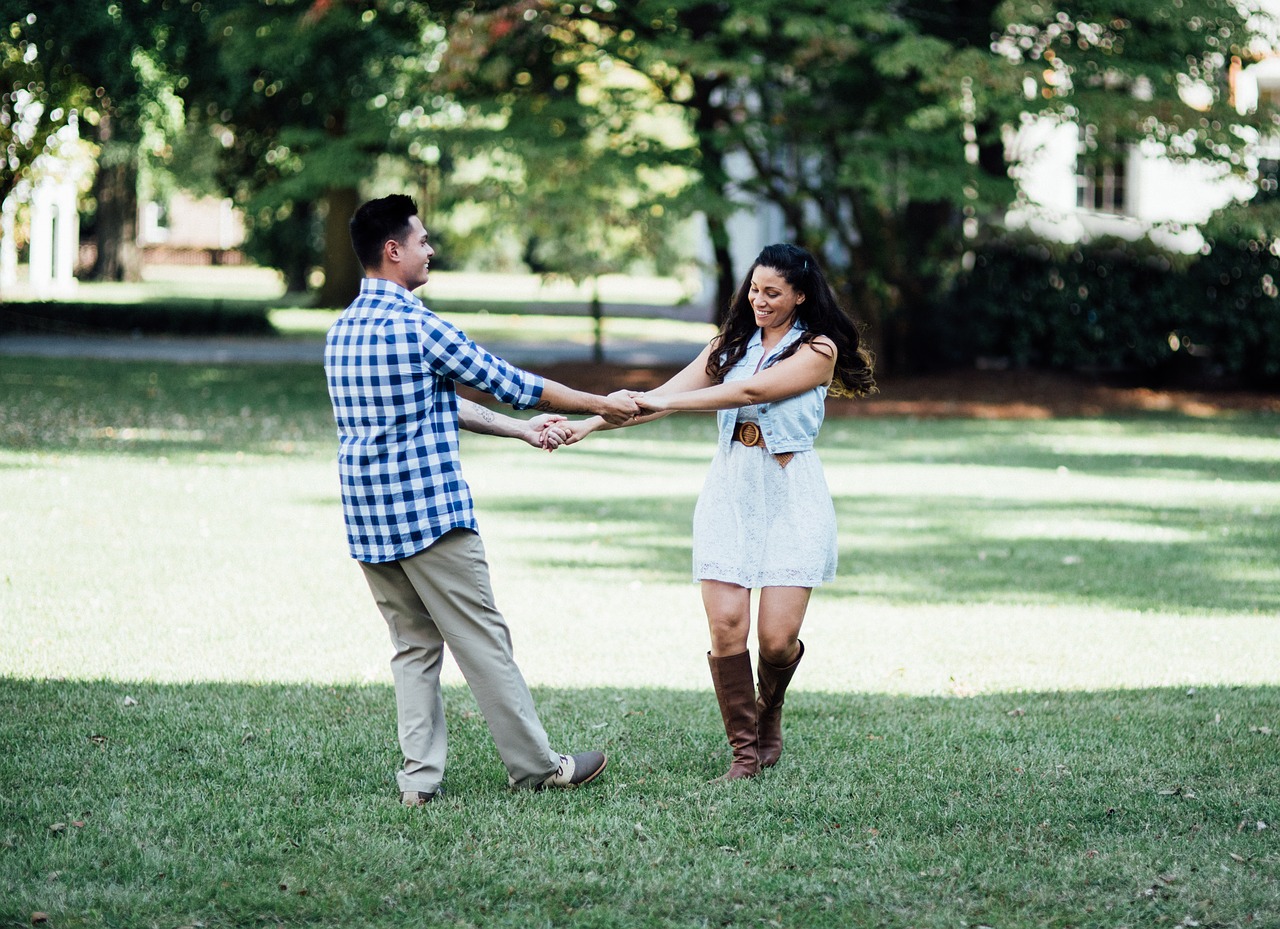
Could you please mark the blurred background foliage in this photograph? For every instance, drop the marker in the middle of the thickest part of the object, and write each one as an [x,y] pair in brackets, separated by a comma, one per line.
[583,139]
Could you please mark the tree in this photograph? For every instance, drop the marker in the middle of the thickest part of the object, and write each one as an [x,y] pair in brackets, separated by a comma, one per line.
[39,95]
[542,140]
[876,128]
[554,78]
[107,63]
[307,97]
[1149,72]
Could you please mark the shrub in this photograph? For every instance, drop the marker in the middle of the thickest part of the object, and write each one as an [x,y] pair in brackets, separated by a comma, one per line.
[97,318]
[1235,286]
[1117,306]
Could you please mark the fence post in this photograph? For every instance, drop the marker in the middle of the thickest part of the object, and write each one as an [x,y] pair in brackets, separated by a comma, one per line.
[597,315]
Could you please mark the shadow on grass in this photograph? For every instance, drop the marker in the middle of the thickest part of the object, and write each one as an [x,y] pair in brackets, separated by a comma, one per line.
[138,803]
[962,550]
[1233,448]
[153,409]
[966,550]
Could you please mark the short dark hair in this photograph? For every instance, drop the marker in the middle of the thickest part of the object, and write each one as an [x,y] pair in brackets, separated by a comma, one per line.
[376,222]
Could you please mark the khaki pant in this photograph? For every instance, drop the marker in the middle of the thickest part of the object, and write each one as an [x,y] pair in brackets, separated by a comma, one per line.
[438,597]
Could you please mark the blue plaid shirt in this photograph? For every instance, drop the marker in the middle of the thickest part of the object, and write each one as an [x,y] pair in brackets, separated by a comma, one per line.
[391,365]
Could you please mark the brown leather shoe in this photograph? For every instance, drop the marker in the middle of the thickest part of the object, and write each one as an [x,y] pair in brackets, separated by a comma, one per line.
[736,690]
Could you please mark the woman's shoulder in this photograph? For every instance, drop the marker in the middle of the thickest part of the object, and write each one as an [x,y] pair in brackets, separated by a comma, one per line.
[822,344]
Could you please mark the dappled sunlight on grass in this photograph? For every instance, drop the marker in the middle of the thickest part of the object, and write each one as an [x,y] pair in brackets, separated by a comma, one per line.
[1116,529]
[1164,445]
[1157,447]
[979,551]
[177,284]
[1042,690]
[162,409]
[526,328]
[962,650]
[189,529]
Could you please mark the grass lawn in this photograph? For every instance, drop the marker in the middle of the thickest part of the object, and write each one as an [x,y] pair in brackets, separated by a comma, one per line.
[1042,692]
[524,328]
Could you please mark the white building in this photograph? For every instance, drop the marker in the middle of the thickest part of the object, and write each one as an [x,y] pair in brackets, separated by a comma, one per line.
[1140,190]
[53,219]
[1064,197]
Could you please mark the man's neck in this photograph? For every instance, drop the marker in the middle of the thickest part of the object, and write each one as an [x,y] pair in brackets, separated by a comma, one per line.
[389,278]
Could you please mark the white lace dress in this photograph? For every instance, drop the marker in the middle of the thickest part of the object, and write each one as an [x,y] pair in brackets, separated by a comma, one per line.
[758,524]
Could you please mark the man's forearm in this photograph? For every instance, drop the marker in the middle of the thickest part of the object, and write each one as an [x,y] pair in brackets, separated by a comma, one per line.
[480,419]
[618,407]
[557,398]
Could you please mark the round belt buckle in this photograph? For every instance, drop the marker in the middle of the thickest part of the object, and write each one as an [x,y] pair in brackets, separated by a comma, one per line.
[749,434]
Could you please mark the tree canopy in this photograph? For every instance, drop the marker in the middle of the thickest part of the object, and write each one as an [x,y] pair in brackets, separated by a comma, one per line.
[308,97]
[582,132]
[114,66]
[879,130]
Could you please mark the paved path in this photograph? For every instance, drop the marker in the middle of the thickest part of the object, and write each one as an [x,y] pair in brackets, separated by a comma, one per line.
[226,350]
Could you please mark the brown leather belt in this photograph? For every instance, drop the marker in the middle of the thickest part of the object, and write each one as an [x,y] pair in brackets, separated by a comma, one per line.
[750,434]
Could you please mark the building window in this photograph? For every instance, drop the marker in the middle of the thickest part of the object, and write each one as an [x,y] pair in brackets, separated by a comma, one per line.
[155,223]
[1100,177]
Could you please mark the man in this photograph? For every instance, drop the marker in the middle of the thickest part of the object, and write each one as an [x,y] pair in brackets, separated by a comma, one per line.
[391,366]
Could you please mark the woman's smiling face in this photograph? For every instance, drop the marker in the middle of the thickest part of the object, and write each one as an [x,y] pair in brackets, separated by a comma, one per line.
[773,300]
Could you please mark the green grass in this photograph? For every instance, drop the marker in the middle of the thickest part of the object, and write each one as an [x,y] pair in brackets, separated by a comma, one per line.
[179,286]
[1042,692]
[522,327]
[239,805]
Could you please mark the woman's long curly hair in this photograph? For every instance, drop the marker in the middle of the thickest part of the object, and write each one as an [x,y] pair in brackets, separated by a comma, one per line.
[819,313]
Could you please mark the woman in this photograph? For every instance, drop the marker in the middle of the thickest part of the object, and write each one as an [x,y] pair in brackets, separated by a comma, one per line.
[764,520]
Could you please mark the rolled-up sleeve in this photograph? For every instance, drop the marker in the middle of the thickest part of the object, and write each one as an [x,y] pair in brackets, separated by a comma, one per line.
[447,352]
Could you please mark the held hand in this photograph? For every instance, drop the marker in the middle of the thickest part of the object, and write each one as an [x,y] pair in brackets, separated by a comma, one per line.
[575,432]
[620,408]
[554,436]
[650,403]
[546,431]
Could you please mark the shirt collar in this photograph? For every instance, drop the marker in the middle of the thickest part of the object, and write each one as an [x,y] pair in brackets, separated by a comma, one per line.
[381,287]
[756,342]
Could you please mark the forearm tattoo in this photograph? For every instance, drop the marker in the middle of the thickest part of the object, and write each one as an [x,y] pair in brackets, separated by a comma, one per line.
[479,418]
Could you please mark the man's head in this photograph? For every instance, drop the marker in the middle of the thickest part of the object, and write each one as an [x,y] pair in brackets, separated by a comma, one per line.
[390,241]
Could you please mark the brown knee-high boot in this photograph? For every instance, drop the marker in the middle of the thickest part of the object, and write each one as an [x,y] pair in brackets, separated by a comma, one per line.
[773,685]
[736,691]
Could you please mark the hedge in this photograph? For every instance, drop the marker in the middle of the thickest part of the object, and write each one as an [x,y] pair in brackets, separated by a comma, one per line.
[147,319]
[1123,307]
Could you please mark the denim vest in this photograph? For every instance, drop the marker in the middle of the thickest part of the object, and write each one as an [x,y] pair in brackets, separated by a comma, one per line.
[788,425]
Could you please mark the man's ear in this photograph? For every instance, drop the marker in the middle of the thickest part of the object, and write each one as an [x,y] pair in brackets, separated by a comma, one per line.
[391,251]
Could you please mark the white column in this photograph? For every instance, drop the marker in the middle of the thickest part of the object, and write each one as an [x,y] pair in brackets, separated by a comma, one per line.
[8,246]
[40,258]
[66,247]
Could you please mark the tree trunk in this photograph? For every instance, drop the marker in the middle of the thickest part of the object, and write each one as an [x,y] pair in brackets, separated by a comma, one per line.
[707,116]
[926,251]
[116,190]
[341,270]
[726,284]
[299,261]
